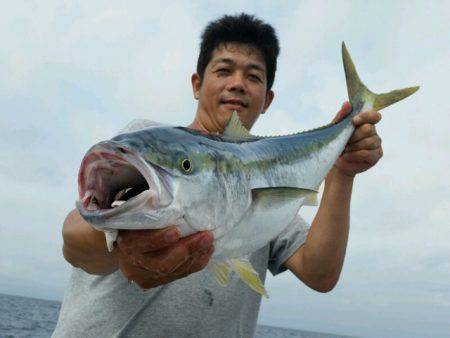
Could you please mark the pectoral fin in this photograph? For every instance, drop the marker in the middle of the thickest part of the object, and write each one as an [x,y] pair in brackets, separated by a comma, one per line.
[278,195]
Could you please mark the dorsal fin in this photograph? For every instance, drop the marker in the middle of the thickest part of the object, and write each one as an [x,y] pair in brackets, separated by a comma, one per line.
[235,130]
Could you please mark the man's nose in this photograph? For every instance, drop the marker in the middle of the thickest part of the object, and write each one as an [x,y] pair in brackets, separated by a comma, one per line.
[236,83]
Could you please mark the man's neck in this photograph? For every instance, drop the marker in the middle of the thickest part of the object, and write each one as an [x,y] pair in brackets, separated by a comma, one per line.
[206,125]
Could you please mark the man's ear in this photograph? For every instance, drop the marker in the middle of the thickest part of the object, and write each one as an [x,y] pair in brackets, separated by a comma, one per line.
[268,100]
[196,83]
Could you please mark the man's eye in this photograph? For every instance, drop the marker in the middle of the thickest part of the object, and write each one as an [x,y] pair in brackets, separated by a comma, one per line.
[254,77]
[223,71]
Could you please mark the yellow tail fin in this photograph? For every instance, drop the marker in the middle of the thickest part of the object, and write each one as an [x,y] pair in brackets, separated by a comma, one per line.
[358,93]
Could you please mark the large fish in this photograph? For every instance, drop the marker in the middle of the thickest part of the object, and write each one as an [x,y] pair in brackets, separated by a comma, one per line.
[245,189]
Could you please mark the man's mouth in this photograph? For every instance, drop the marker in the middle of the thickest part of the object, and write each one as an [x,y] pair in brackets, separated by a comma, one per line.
[113,179]
[234,103]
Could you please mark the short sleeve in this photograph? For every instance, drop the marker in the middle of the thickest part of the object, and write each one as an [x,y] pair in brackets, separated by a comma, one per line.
[285,245]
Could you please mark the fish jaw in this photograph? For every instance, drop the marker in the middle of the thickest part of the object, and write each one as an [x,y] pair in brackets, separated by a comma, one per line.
[118,189]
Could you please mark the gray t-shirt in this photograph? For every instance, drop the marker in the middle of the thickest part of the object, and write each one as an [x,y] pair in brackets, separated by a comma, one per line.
[195,306]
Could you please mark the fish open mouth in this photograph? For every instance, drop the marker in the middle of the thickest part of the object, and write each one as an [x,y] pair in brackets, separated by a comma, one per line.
[113,179]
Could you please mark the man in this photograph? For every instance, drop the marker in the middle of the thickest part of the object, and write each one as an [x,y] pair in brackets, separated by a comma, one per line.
[235,71]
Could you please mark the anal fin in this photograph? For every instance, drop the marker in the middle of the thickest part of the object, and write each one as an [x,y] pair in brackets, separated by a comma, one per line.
[243,268]
[248,274]
[220,271]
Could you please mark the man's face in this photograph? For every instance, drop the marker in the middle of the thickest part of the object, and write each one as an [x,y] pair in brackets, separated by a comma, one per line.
[234,79]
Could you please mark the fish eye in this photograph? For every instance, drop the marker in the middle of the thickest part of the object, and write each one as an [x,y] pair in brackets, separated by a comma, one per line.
[186,165]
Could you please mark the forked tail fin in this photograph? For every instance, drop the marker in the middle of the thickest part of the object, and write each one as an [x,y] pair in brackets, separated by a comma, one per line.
[358,93]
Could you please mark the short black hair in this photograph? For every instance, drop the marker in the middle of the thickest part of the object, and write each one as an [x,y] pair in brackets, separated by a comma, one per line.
[242,28]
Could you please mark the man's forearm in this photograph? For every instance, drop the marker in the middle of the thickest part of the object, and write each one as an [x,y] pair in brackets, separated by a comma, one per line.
[324,251]
[85,247]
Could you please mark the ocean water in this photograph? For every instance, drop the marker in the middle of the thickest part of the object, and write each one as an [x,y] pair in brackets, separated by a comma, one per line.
[27,317]
[35,318]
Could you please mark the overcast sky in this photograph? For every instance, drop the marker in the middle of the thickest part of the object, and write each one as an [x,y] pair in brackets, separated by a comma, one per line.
[72,74]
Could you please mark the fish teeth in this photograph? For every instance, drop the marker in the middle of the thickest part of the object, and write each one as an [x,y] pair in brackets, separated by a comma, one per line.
[120,194]
[87,195]
[117,203]
[93,204]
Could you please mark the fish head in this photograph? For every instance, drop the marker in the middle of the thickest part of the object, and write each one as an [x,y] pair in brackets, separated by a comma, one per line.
[155,177]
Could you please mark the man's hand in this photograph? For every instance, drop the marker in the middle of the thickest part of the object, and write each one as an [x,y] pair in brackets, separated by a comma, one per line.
[363,149]
[154,257]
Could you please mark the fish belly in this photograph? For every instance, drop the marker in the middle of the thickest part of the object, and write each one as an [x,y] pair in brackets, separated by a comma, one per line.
[263,221]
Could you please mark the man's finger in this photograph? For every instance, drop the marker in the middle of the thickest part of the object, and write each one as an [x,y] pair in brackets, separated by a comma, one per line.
[367,156]
[141,241]
[369,143]
[201,261]
[192,265]
[167,260]
[362,132]
[372,117]
[343,112]
[133,272]
[197,263]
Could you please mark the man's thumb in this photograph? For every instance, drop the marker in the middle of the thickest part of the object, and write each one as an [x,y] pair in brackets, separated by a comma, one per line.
[343,112]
